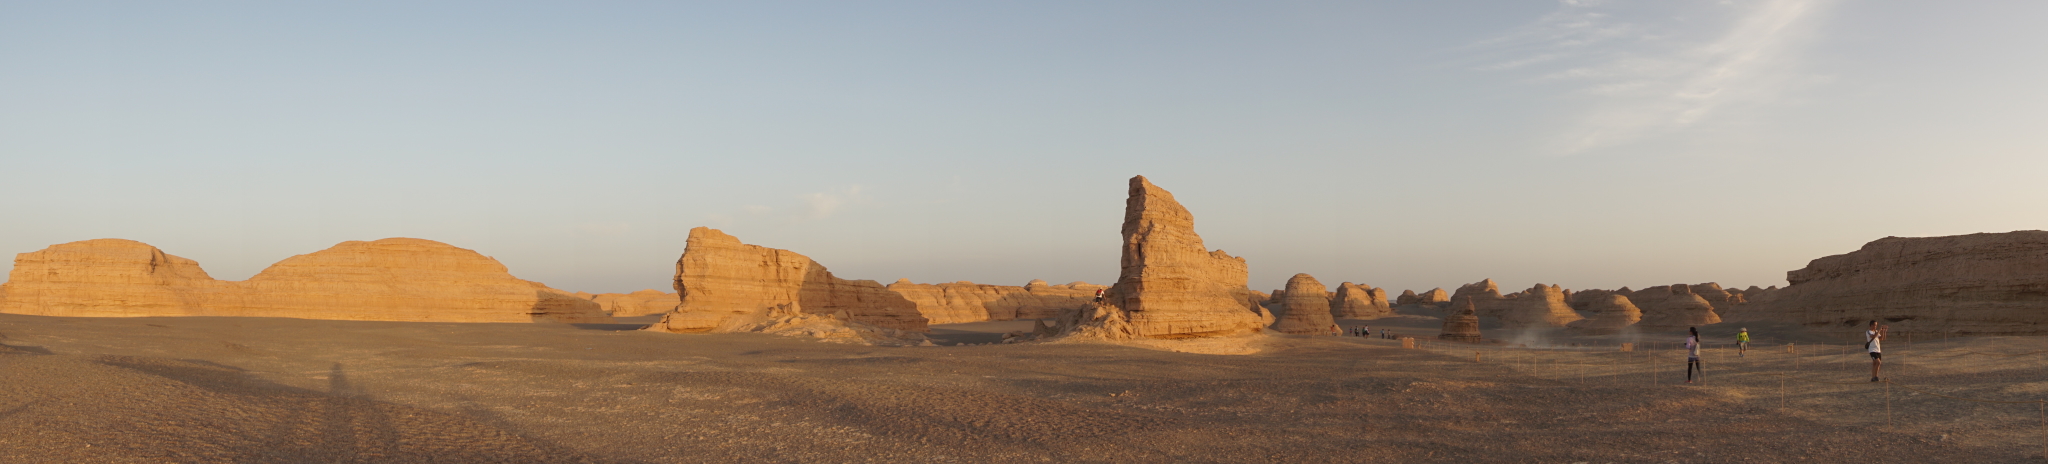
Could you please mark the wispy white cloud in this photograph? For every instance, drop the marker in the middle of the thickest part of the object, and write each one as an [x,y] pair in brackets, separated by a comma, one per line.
[1647,70]
[808,207]
[822,204]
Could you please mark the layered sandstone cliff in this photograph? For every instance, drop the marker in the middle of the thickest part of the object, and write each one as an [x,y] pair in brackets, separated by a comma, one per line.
[1305,308]
[726,284]
[1976,284]
[963,301]
[1171,285]
[112,278]
[394,279]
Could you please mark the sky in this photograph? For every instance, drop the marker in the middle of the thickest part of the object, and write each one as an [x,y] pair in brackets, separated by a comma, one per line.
[1406,145]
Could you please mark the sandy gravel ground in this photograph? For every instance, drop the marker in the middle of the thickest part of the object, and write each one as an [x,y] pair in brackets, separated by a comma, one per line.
[283,390]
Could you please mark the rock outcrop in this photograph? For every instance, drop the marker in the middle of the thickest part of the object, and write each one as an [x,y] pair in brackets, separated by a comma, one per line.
[1539,306]
[1171,285]
[1306,306]
[1355,301]
[1432,297]
[1976,284]
[649,302]
[394,279]
[963,301]
[1462,324]
[726,284]
[1673,307]
[1610,313]
[1481,293]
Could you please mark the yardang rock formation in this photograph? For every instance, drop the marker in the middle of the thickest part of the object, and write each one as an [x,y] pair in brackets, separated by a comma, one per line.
[1976,284]
[957,302]
[649,302]
[727,285]
[394,279]
[1171,285]
[1306,308]
[1611,313]
[1462,324]
[1354,301]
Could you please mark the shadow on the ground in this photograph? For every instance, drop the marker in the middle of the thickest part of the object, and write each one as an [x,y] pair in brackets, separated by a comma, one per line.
[282,423]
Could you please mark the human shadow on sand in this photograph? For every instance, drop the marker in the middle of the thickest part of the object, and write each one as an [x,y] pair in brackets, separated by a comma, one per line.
[282,423]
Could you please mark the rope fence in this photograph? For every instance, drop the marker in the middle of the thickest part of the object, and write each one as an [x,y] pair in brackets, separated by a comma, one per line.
[1574,364]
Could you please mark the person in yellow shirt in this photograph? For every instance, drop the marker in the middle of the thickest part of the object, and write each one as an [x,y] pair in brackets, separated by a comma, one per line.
[1742,343]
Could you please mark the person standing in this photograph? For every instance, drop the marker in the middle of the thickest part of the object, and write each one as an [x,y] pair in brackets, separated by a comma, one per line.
[1742,343]
[1692,356]
[1873,339]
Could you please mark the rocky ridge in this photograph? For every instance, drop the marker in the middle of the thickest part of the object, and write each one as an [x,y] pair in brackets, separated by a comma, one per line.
[394,279]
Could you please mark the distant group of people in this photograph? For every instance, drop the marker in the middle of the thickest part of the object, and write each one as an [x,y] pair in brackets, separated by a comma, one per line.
[1873,343]
[1361,331]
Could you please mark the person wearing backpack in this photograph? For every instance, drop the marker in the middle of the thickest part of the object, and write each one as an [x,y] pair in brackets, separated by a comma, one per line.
[1873,340]
[1742,343]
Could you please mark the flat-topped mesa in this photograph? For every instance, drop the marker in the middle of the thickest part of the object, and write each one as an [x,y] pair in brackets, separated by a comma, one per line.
[727,285]
[1610,313]
[394,279]
[1539,306]
[1355,301]
[1171,285]
[957,302]
[1976,284]
[1462,324]
[1306,308]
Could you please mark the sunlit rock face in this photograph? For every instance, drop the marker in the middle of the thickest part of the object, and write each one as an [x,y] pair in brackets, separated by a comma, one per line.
[1982,284]
[957,302]
[1171,285]
[1355,301]
[724,282]
[394,279]
[1306,307]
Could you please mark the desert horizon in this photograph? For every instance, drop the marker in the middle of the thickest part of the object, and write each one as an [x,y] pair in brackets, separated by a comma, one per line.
[1572,231]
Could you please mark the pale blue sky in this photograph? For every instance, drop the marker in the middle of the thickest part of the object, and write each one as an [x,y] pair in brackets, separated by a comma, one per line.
[1399,144]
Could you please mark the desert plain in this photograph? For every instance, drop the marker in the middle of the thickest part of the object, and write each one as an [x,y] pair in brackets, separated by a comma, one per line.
[410,350]
[236,389]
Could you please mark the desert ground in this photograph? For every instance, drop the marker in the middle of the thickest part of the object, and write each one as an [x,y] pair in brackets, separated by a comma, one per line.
[221,389]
